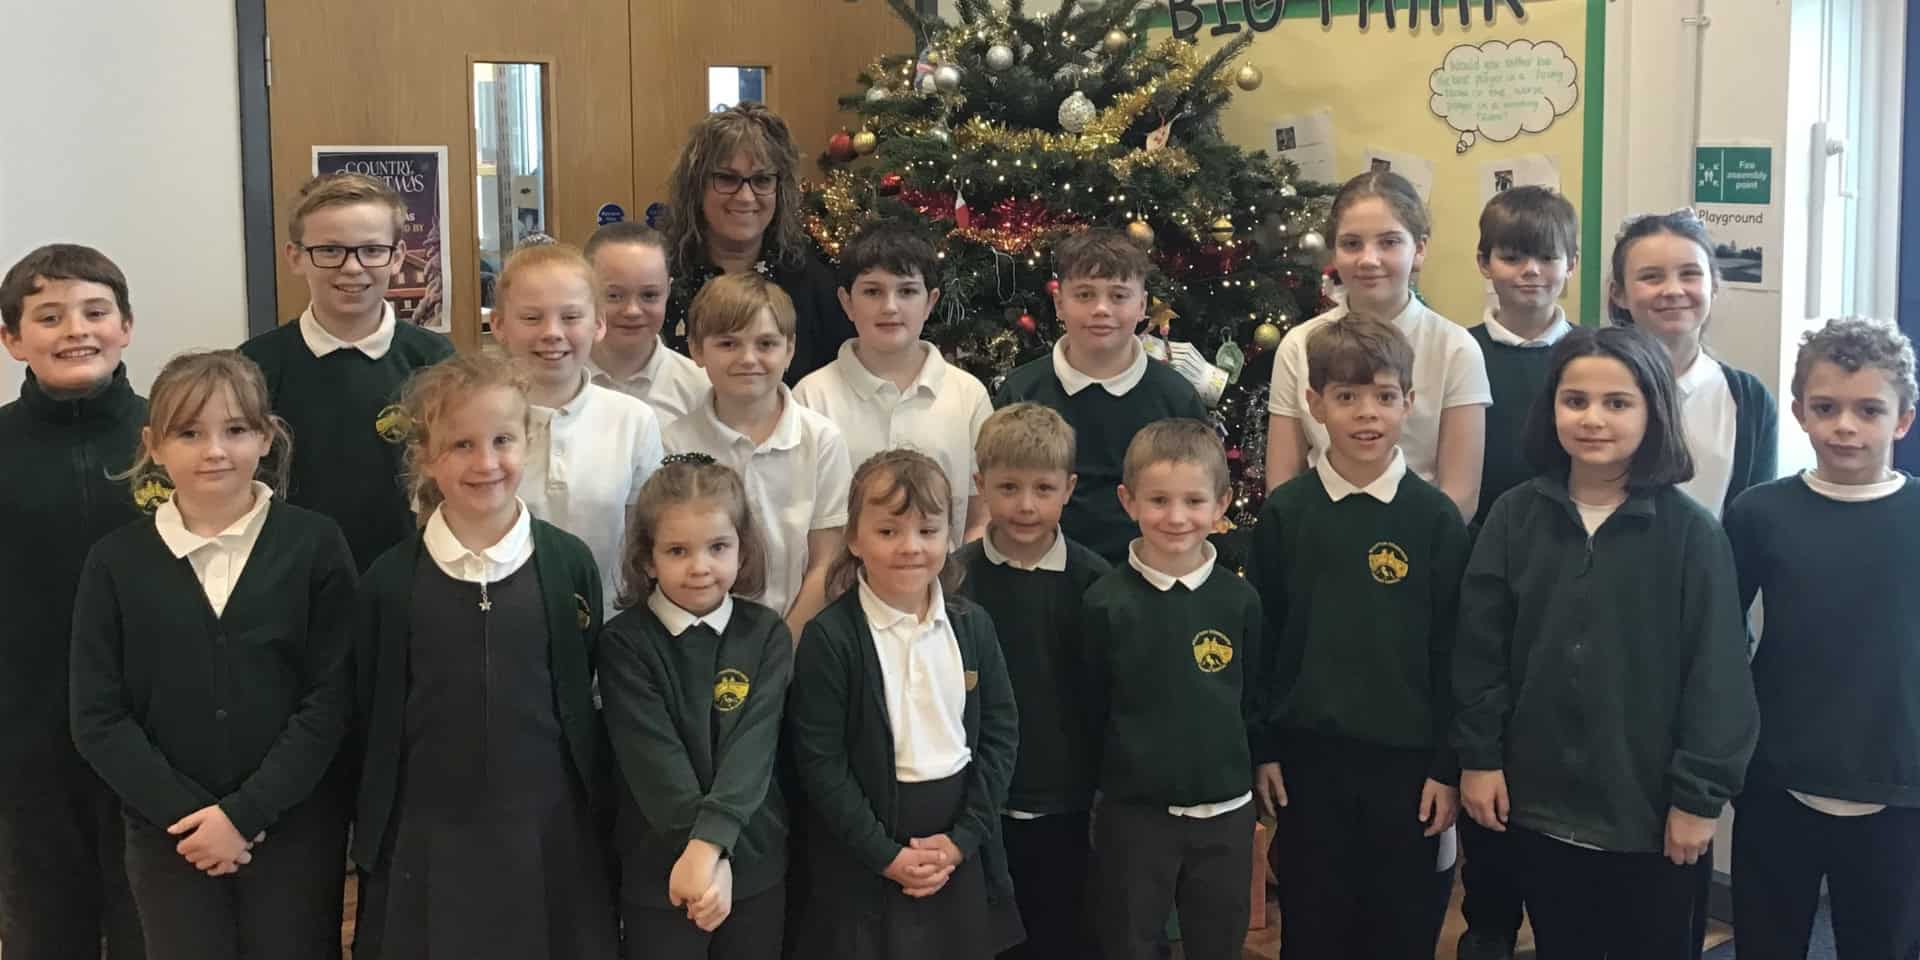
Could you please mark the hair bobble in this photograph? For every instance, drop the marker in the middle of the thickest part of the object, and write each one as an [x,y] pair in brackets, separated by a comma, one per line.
[697,459]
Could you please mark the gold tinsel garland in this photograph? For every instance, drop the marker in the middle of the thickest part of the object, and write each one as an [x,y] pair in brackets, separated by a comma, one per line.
[1175,161]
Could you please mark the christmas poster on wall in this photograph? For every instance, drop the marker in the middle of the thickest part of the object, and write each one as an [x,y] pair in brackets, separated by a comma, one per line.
[421,291]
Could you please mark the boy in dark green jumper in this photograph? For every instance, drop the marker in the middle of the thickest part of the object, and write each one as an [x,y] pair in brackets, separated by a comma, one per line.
[1529,245]
[1834,789]
[1171,650]
[1358,566]
[1031,578]
[1101,301]
[1605,710]
[66,315]
[336,372]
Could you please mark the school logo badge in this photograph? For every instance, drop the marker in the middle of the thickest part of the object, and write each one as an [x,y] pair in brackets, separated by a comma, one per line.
[581,614]
[1387,562]
[393,425]
[730,690]
[1212,651]
[151,494]
[970,678]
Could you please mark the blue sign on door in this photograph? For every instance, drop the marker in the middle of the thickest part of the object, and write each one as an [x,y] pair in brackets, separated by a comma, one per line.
[611,213]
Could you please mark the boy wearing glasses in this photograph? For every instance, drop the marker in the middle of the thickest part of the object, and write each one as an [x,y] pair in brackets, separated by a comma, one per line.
[335,373]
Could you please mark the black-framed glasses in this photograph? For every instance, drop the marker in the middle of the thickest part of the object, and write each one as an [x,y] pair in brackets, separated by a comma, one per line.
[327,256]
[729,183]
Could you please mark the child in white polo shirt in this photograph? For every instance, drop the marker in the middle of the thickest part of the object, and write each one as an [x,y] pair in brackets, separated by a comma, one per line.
[888,388]
[630,264]
[793,460]
[590,448]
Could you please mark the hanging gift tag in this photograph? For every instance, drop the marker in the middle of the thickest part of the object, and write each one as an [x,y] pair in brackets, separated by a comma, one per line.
[1158,138]
[1231,359]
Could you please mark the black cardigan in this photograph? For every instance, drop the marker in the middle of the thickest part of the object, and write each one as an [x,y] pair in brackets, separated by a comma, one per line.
[842,744]
[1756,434]
[570,586]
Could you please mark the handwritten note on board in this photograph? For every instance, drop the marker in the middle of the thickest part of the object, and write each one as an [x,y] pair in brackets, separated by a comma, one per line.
[1500,90]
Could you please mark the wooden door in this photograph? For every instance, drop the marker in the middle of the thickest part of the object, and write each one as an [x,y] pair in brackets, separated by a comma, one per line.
[375,72]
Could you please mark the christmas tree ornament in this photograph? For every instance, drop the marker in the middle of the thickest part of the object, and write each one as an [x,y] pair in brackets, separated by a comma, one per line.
[1312,241]
[864,142]
[1076,111]
[1266,336]
[1139,232]
[947,77]
[1027,324]
[877,93]
[999,57]
[962,215]
[1053,287]
[1289,191]
[1160,316]
[927,84]
[1117,42]
[890,184]
[941,135]
[1157,140]
[1221,231]
[840,146]
[1208,380]
[1248,77]
[1067,76]
[1231,359]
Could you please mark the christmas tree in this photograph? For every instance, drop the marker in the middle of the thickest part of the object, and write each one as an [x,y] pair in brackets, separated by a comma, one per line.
[1006,131]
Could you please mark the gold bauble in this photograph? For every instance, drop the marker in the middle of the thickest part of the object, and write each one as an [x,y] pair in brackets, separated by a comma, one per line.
[1117,42]
[1248,78]
[1266,336]
[1139,232]
[864,142]
[1221,231]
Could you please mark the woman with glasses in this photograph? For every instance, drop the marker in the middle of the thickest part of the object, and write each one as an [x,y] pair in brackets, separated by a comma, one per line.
[736,201]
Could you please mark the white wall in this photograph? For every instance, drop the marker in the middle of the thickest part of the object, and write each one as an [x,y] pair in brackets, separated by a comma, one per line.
[123,133]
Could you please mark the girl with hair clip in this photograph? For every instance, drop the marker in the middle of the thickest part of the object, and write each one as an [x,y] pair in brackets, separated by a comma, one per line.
[902,725]
[483,771]
[209,678]
[695,680]
[1606,714]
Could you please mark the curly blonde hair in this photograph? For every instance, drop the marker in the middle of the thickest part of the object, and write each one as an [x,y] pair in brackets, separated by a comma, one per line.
[431,394]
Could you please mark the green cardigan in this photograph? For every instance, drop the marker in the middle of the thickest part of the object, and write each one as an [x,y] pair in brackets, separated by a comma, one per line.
[1606,674]
[570,585]
[842,744]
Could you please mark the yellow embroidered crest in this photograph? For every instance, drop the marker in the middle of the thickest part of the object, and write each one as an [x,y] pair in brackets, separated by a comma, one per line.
[971,678]
[1387,562]
[1212,651]
[393,425]
[730,690]
[581,614]
[151,494]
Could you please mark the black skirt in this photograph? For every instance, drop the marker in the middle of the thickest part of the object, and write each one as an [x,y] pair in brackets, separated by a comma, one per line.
[495,852]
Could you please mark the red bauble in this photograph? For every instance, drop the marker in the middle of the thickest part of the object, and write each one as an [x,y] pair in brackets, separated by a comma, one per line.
[1053,287]
[1027,324]
[890,184]
[840,146]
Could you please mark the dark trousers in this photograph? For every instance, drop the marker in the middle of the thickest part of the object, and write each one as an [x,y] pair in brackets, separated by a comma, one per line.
[1358,878]
[63,885]
[1600,905]
[1493,904]
[1782,849]
[285,905]
[1048,860]
[1147,861]
[752,931]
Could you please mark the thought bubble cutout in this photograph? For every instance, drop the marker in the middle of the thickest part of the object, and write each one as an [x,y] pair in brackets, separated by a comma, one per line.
[1498,90]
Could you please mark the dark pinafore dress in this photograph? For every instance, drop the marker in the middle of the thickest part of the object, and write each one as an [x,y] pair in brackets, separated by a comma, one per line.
[496,852]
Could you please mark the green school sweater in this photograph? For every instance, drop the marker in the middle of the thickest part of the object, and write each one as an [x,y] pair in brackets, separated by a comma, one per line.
[1103,425]
[1359,599]
[1517,375]
[177,708]
[56,500]
[1605,674]
[349,441]
[1038,616]
[570,591]
[695,722]
[1170,684]
[1837,673]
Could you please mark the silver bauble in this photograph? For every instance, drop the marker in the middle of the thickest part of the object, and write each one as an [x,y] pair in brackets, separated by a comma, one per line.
[877,93]
[1289,191]
[947,77]
[999,57]
[1076,111]
[1312,241]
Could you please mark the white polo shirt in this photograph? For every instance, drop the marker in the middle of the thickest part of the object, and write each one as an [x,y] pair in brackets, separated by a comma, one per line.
[924,683]
[670,383]
[939,414]
[216,560]
[796,482]
[1448,371]
[585,463]
[1710,421]
[1498,332]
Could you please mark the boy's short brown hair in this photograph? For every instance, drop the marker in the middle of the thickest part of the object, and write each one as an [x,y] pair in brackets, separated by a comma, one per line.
[1854,344]
[1100,253]
[729,302]
[341,190]
[59,261]
[1178,440]
[1532,221]
[1352,350]
[1024,436]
